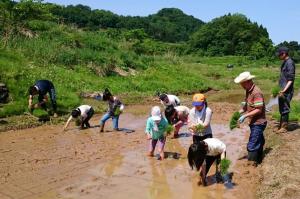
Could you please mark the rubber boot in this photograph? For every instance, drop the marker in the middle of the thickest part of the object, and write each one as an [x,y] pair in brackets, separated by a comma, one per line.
[283,128]
[101,128]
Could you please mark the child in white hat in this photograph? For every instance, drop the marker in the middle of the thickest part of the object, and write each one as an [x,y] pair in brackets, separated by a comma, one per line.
[155,129]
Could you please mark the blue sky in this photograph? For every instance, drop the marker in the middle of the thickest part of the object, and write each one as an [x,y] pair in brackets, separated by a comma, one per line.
[281,18]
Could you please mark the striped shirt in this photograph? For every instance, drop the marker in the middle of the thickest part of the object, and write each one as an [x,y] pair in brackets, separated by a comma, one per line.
[255,100]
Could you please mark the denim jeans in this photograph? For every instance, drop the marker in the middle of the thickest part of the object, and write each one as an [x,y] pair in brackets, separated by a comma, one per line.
[256,139]
[115,120]
[256,142]
[52,94]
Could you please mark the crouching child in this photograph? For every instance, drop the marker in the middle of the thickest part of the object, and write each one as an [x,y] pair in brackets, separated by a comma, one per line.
[203,154]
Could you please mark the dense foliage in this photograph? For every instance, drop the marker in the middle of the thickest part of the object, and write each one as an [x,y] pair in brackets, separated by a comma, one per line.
[294,48]
[232,35]
[169,24]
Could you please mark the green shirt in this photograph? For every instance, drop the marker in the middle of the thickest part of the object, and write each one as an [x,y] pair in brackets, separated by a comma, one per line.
[162,126]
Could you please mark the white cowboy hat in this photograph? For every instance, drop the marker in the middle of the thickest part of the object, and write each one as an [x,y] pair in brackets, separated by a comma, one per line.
[245,76]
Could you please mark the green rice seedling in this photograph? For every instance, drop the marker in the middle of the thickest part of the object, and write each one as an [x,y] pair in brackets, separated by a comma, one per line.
[40,113]
[234,120]
[199,128]
[275,91]
[169,129]
[225,163]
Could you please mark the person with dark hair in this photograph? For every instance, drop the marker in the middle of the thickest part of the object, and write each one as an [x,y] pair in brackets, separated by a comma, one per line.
[85,113]
[253,109]
[177,116]
[286,83]
[203,154]
[168,100]
[115,108]
[199,118]
[41,88]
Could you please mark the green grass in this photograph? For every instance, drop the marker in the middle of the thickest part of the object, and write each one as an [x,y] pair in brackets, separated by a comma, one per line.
[294,114]
[78,61]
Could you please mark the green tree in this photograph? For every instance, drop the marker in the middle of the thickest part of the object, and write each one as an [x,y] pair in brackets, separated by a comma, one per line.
[231,35]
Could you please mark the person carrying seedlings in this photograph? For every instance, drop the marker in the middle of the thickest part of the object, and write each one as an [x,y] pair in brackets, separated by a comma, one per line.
[199,119]
[41,88]
[253,109]
[115,108]
[85,113]
[177,116]
[168,100]
[156,127]
[286,83]
[203,154]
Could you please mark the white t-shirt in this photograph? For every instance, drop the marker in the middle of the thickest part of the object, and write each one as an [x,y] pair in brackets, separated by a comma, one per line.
[173,100]
[215,146]
[202,117]
[84,109]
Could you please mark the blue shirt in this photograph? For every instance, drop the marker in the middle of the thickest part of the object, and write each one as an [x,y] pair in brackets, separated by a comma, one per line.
[287,73]
[44,86]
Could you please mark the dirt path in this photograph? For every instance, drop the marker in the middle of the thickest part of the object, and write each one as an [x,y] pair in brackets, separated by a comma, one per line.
[45,162]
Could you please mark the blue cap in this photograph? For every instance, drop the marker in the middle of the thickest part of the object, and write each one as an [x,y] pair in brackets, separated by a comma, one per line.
[198,103]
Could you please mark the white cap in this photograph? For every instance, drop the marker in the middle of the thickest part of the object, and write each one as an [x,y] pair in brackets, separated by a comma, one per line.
[245,76]
[155,113]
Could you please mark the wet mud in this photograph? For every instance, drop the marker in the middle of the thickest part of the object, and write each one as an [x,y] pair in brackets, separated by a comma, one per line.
[46,162]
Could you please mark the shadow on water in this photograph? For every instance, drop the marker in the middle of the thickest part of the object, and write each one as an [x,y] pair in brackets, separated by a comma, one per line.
[292,126]
[126,130]
[172,155]
[227,178]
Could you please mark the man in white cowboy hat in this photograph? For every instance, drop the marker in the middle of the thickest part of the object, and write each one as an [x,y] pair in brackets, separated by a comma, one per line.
[253,109]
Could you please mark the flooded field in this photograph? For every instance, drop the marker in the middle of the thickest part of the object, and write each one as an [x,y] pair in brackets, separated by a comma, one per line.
[46,162]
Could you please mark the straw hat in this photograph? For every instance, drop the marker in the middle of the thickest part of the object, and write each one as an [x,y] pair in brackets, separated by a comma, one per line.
[245,76]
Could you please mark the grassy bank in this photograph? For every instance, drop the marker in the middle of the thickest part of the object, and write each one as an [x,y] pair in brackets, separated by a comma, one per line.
[81,61]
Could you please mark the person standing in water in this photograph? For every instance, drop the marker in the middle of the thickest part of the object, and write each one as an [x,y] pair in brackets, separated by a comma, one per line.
[254,110]
[286,83]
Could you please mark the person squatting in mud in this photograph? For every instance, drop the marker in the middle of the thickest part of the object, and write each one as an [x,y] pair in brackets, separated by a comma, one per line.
[254,109]
[85,113]
[199,119]
[41,88]
[156,127]
[115,109]
[177,116]
[203,154]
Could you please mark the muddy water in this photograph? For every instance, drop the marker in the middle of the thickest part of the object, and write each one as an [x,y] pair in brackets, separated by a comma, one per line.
[133,175]
[46,162]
